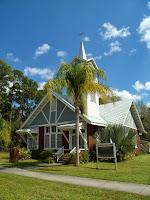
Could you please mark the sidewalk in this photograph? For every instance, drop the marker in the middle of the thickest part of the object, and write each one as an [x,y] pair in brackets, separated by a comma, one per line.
[140,189]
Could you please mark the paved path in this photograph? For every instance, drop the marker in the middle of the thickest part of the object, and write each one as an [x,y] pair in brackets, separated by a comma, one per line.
[140,189]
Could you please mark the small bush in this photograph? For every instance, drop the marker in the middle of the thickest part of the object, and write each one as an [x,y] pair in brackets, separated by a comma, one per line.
[24,154]
[69,158]
[85,156]
[35,154]
[92,155]
[45,154]
[145,147]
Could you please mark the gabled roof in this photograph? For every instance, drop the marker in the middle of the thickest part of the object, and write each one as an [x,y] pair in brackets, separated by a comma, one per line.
[116,113]
[111,113]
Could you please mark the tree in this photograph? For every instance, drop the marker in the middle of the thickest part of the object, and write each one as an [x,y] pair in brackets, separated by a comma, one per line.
[19,94]
[77,79]
[124,139]
[145,118]
[5,133]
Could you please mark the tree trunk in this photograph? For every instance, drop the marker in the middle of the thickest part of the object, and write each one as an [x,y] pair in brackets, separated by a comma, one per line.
[77,136]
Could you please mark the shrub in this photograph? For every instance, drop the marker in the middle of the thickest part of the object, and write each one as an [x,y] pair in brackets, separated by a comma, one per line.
[35,154]
[85,156]
[24,154]
[45,154]
[69,158]
[145,146]
[92,155]
[124,139]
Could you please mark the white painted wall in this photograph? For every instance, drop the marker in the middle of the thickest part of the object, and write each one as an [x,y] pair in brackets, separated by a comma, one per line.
[93,108]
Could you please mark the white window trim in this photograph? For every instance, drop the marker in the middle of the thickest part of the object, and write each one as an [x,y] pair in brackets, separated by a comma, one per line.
[51,133]
[83,137]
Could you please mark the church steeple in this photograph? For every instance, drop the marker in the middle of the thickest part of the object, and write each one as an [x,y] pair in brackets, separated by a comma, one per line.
[82,54]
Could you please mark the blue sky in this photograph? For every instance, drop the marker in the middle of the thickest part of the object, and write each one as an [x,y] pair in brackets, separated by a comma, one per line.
[37,35]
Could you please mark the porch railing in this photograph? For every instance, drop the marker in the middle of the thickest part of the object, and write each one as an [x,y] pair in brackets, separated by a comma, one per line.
[74,150]
[59,153]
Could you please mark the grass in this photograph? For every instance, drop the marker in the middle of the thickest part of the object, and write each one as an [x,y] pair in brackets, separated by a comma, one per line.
[4,161]
[135,170]
[14,187]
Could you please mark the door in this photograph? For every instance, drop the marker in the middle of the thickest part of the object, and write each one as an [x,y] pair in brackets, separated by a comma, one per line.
[65,137]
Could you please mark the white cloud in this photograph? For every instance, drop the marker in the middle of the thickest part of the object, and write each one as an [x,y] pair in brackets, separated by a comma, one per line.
[41,85]
[86,39]
[61,53]
[141,86]
[144,31]
[98,57]
[124,94]
[132,52]
[43,73]
[114,47]
[148,104]
[44,48]
[112,32]
[11,57]
[89,55]
[148,4]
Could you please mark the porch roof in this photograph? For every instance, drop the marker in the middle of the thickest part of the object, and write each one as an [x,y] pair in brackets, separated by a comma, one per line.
[69,126]
[33,130]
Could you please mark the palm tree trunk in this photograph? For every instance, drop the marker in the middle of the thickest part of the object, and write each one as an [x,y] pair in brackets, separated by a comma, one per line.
[77,136]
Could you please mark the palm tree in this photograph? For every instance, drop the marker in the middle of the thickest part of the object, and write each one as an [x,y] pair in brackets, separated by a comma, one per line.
[5,133]
[77,79]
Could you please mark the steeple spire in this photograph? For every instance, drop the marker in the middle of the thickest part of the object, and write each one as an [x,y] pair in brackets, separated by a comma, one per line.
[82,54]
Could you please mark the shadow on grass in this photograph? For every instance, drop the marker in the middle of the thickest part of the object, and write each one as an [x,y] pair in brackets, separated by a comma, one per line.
[20,164]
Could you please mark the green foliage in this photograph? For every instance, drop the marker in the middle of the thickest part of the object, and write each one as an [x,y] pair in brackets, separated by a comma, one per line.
[145,147]
[77,79]
[18,97]
[46,156]
[123,138]
[5,133]
[92,155]
[46,153]
[69,158]
[85,156]
[19,94]
[35,154]
[145,117]
[24,154]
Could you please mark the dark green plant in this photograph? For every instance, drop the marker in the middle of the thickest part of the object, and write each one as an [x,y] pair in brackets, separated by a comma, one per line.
[5,133]
[92,155]
[46,156]
[69,158]
[124,139]
[24,154]
[85,156]
[35,154]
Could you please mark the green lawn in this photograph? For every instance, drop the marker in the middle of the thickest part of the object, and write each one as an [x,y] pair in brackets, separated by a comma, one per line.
[13,187]
[4,161]
[135,170]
